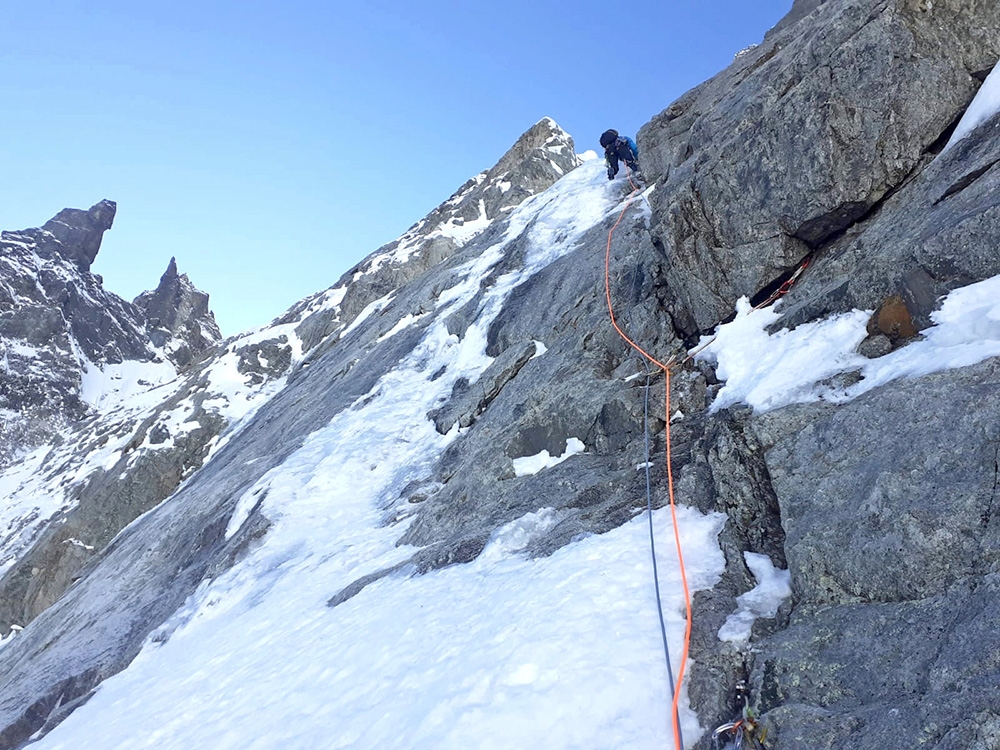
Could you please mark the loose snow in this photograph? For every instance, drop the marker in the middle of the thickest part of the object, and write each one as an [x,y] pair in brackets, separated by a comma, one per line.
[534,464]
[767,371]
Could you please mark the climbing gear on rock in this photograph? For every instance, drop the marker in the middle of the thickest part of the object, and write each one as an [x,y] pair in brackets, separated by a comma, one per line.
[745,730]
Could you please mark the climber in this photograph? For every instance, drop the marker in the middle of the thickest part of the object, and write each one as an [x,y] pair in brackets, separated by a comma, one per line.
[620,147]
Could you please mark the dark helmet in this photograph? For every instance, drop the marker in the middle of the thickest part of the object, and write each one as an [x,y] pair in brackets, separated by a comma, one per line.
[608,137]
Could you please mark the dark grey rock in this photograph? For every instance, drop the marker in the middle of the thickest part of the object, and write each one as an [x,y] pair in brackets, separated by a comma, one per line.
[78,233]
[892,542]
[178,313]
[935,234]
[265,359]
[818,143]
[805,135]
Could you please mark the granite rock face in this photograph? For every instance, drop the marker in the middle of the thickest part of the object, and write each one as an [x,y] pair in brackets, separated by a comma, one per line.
[804,136]
[936,233]
[78,233]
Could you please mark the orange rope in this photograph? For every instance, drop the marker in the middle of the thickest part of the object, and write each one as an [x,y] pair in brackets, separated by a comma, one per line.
[782,290]
[670,475]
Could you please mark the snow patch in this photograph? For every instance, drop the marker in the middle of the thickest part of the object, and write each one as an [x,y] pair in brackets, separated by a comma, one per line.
[106,387]
[763,600]
[529,465]
[405,322]
[767,371]
[985,104]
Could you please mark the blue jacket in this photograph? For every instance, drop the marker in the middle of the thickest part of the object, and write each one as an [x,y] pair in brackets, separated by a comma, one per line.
[631,145]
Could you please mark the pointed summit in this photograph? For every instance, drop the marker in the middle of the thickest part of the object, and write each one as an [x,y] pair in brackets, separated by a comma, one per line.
[171,273]
[539,157]
[178,316]
[543,154]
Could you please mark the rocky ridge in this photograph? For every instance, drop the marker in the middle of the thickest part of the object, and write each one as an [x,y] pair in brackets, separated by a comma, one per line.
[61,332]
[178,317]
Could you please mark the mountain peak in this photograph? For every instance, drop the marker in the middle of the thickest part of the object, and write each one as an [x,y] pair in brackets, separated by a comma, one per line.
[80,231]
[171,272]
[539,157]
[178,316]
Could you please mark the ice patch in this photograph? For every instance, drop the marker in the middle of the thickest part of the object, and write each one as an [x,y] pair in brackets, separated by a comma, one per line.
[516,535]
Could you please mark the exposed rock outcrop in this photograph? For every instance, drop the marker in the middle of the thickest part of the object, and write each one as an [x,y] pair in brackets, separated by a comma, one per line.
[78,233]
[60,329]
[894,552]
[804,136]
[55,318]
[178,317]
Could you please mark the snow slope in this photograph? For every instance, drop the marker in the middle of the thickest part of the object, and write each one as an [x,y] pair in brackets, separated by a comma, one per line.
[502,652]
[497,653]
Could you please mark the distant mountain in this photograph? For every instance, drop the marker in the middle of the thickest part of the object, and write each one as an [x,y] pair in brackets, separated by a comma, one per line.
[62,333]
[410,512]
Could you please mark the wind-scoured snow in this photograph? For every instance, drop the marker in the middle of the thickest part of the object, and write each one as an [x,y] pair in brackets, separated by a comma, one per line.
[502,652]
[108,386]
[767,371]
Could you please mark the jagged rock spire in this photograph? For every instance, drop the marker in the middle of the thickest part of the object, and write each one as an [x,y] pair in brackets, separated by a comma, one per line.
[178,316]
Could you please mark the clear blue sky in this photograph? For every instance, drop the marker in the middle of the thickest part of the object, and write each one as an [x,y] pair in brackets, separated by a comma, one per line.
[270,146]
